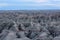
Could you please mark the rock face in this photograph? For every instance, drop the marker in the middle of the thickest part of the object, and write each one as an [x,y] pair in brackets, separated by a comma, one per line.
[34,26]
[57,38]
[10,36]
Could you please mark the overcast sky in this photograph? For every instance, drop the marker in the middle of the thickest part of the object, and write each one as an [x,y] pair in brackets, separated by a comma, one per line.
[29,4]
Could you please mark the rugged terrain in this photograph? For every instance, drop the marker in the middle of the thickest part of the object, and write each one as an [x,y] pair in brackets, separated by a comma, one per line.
[30,25]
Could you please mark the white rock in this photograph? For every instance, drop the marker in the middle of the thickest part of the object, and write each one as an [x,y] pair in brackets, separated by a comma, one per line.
[10,36]
[25,38]
[57,38]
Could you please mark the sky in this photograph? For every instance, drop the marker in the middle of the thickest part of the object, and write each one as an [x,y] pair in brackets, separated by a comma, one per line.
[29,4]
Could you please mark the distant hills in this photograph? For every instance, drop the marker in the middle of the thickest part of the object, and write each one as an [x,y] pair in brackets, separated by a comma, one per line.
[30,11]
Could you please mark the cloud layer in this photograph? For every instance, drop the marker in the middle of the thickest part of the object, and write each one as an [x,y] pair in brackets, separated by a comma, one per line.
[3,4]
[30,3]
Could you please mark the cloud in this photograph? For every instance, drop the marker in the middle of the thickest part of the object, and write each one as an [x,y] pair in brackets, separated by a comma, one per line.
[3,4]
[30,3]
[56,0]
[38,5]
[35,5]
[40,1]
[37,1]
